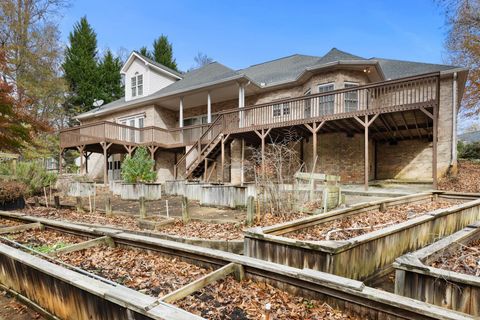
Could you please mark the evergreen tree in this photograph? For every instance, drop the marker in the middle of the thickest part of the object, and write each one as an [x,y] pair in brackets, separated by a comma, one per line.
[110,78]
[81,68]
[163,52]
[145,52]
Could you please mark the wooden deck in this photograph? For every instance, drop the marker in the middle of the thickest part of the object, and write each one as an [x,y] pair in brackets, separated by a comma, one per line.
[386,111]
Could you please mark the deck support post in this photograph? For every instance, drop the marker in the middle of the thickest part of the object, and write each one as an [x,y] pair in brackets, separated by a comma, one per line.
[81,149]
[242,166]
[129,149]
[152,150]
[205,173]
[105,147]
[224,139]
[60,158]
[223,159]
[366,124]
[314,128]
[434,117]
[262,135]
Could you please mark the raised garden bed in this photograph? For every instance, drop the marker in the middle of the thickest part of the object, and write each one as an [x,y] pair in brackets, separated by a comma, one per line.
[292,293]
[446,273]
[44,241]
[231,299]
[147,272]
[133,191]
[303,243]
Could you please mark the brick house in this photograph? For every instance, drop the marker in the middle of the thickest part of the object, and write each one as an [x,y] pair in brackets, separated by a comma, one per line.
[365,119]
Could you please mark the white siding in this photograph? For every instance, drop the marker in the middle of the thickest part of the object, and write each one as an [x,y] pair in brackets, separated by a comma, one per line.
[153,80]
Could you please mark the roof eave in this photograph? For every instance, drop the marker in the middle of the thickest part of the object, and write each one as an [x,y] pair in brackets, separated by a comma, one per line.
[152,99]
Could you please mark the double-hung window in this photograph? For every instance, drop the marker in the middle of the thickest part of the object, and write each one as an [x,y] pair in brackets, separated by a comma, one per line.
[327,102]
[351,97]
[137,85]
[281,109]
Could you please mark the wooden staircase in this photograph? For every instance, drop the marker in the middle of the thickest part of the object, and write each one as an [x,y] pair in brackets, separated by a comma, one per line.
[207,147]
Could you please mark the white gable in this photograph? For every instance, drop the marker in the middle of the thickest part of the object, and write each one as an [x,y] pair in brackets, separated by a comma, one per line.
[154,78]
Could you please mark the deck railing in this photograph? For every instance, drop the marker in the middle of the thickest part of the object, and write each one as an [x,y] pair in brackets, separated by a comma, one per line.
[419,90]
[412,91]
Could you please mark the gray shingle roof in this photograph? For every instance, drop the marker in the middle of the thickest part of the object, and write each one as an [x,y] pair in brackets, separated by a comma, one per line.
[282,70]
[394,69]
[209,73]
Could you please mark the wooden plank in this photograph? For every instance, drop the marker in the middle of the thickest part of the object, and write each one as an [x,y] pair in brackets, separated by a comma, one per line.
[21,228]
[461,297]
[85,245]
[201,283]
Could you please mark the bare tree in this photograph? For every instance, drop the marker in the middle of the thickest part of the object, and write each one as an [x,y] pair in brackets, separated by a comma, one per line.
[201,59]
[282,161]
[463,46]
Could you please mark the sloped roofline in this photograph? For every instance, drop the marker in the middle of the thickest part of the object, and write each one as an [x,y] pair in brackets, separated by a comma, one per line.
[150,63]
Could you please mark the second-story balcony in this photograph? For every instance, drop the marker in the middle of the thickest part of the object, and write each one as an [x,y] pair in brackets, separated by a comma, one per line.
[420,92]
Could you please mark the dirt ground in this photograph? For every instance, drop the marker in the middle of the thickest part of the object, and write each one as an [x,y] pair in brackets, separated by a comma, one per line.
[12,309]
[157,207]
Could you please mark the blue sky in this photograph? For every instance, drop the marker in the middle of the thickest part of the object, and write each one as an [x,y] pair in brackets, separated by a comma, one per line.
[242,33]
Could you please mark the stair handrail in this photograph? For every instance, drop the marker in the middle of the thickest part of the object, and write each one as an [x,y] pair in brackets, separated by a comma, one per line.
[195,145]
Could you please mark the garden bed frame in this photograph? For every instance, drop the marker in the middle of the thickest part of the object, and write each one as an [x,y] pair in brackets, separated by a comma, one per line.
[415,278]
[366,256]
[55,288]
[234,246]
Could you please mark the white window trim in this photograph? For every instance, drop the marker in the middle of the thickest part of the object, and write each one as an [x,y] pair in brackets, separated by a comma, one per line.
[134,88]
[354,84]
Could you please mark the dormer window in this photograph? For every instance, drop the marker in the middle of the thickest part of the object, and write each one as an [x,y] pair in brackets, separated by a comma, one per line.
[137,85]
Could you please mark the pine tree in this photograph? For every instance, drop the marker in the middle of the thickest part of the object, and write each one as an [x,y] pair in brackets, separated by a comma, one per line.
[110,78]
[81,68]
[163,52]
[145,52]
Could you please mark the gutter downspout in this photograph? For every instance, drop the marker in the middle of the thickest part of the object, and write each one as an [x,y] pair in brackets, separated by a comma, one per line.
[454,120]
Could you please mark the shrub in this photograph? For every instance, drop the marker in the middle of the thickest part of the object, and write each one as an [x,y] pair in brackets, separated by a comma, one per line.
[468,150]
[11,191]
[138,168]
[33,175]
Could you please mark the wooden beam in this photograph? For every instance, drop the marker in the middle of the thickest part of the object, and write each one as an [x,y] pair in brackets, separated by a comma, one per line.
[416,124]
[200,283]
[395,125]
[85,245]
[434,148]
[431,116]
[366,153]
[20,228]
[405,125]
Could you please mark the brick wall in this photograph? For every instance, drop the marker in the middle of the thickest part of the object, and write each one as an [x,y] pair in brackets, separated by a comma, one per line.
[409,160]
[340,155]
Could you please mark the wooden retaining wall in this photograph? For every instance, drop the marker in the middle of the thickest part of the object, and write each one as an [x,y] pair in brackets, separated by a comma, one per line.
[416,279]
[210,194]
[69,295]
[364,256]
[345,294]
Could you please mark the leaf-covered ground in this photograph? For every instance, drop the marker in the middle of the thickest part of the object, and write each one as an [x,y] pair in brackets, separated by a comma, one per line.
[358,224]
[467,179]
[193,229]
[464,260]
[230,299]
[4,223]
[44,240]
[223,231]
[147,272]
[123,221]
